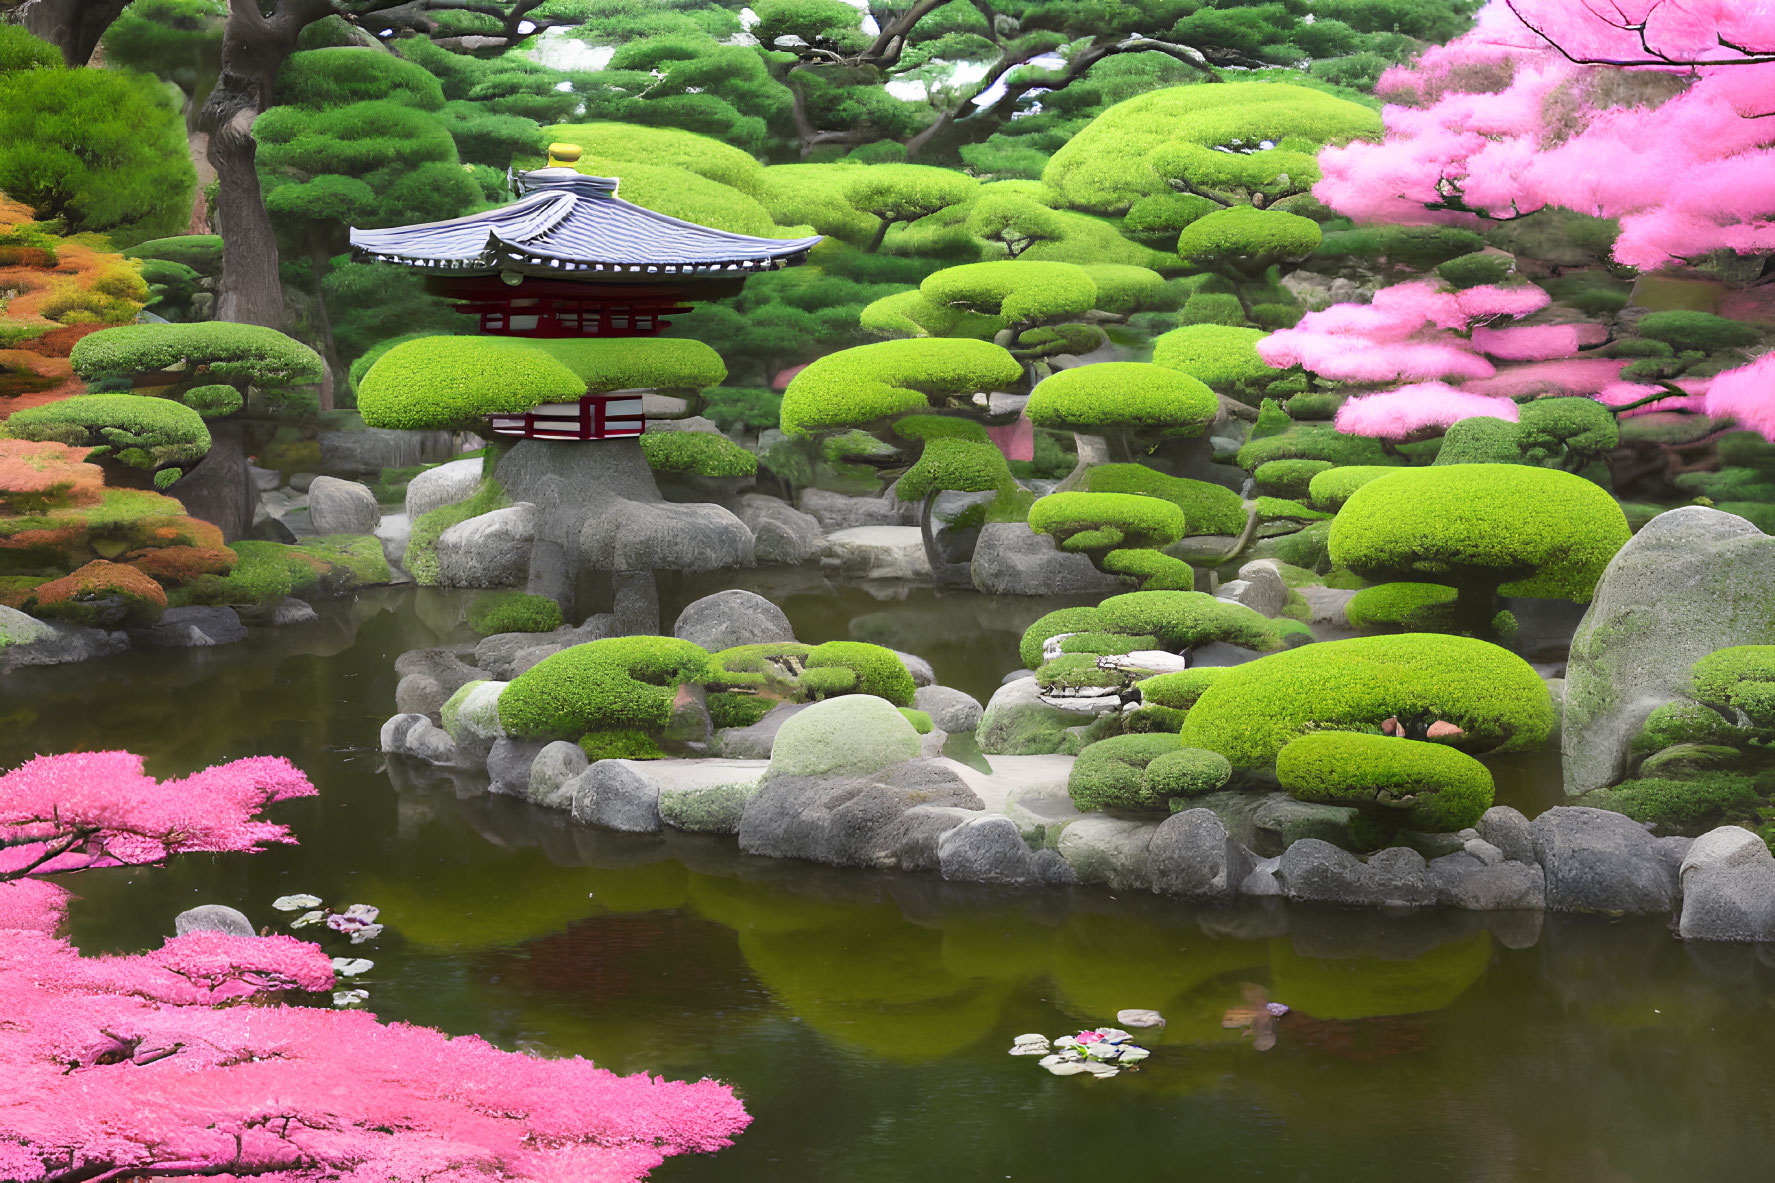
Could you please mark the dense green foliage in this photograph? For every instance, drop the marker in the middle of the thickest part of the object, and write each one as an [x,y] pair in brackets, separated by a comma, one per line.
[1738,679]
[513,612]
[890,378]
[139,431]
[242,354]
[1111,773]
[624,683]
[1130,397]
[1415,785]
[455,382]
[1207,508]
[702,453]
[1222,356]
[867,669]
[1184,619]
[1099,522]
[1403,607]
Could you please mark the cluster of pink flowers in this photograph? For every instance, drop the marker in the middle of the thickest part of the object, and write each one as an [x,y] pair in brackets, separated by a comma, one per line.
[176,1062]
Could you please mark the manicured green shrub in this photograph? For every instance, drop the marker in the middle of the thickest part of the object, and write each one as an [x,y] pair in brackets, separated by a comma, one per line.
[1480,440]
[1020,292]
[1253,710]
[1123,289]
[703,453]
[1692,804]
[1739,679]
[1417,247]
[1480,267]
[1222,356]
[1111,773]
[619,743]
[675,365]
[1403,607]
[1418,785]
[1179,690]
[892,378]
[200,252]
[1289,478]
[728,708]
[895,193]
[873,669]
[218,349]
[1683,330]
[961,465]
[455,382]
[1158,219]
[421,556]
[1052,624]
[1682,722]
[213,401]
[1186,773]
[742,408]
[1207,508]
[1220,309]
[1329,490]
[140,431]
[773,665]
[1149,570]
[622,683]
[1245,240]
[513,612]
[1083,523]
[1185,619]
[1312,441]
[1123,396]
[920,721]
[1076,671]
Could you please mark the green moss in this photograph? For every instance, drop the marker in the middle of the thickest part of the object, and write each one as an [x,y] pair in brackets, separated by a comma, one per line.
[675,365]
[455,382]
[1083,523]
[1052,624]
[619,744]
[1403,607]
[1692,804]
[1246,240]
[1150,570]
[703,453]
[623,683]
[1681,723]
[451,711]
[1480,267]
[1740,678]
[1416,785]
[1185,619]
[1180,690]
[1124,396]
[1111,774]
[1106,644]
[873,669]
[892,378]
[1312,441]
[1537,532]
[1207,508]
[140,431]
[1684,330]
[421,556]
[1186,773]
[1076,671]
[1289,478]
[1222,356]
[1217,309]
[513,612]
[920,721]
[731,709]
[1253,710]
[1334,486]
[1276,509]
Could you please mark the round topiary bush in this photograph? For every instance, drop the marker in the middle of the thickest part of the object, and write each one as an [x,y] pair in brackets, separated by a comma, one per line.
[1738,679]
[614,684]
[1207,508]
[872,669]
[1329,489]
[1187,772]
[889,378]
[1185,619]
[1289,478]
[1111,773]
[1087,522]
[1222,356]
[1052,624]
[1402,607]
[140,431]
[513,612]
[1180,690]
[1246,240]
[455,382]
[1253,710]
[701,453]
[1123,396]
[1418,785]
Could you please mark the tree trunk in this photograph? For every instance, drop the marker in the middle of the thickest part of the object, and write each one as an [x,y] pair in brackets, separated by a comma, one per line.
[1474,609]
[72,26]
[318,265]
[219,489]
[254,48]
[1093,450]
[880,234]
[943,572]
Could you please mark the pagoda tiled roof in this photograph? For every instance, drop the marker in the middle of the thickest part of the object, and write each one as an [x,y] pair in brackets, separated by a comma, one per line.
[572,225]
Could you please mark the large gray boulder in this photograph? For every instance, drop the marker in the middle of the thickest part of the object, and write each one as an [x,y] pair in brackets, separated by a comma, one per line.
[192,627]
[950,709]
[1010,559]
[989,849]
[444,485]
[1479,879]
[506,655]
[1508,831]
[508,765]
[647,536]
[780,532]
[705,796]
[618,795]
[755,742]
[1109,850]
[491,550]
[1312,871]
[880,552]
[1693,580]
[1017,722]
[1600,861]
[568,483]
[851,735]
[414,735]
[428,678]
[213,918]
[552,774]
[888,818]
[1259,587]
[1192,855]
[838,511]
[1269,823]
[1728,886]
[41,643]
[730,618]
[16,628]
[342,507]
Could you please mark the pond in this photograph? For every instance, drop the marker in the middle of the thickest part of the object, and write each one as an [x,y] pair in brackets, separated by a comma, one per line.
[864,1017]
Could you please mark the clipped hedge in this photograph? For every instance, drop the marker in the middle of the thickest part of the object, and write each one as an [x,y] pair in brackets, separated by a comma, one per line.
[1020,291]
[455,382]
[1111,773]
[1127,395]
[220,349]
[1178,691]
[1682,330]
[1186,772]
[617,684]
[200,252]
[1207,508]
[1247,240]
[1421,786]
[960,465]
[1536,531]
[1185,619]
[1052,624]
[1403,607]
[140,431]
[1253,710]
[872,669]
[1328,490]
[1739,678]
[703,453]
[513,612]
[1086,522]
[676,365]
[1289,478]
[1150,570]
[888,378]
[1222,356]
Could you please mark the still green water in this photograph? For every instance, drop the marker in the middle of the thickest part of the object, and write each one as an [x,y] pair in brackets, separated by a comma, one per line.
[865,1017]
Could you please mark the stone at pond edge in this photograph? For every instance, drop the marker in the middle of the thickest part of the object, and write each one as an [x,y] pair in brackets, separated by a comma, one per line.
[446,484]
[552,774]
[1109,850]
[1140,1019]
[1464,880]
[852,734]
[192,627]
[889,818]
[1728,888]
[1191,855]
[989,849]
[491,550]
[733,617]
[213,918]
[342,507]
[780,532]
[1312,871]
[1010,559]
[618,795]
[1600,861]
[755,742]
[508,765]
[1508,831]
[950,709]
[1017,722]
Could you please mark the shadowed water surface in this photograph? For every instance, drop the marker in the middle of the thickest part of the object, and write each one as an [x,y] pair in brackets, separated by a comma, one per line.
[865,1017]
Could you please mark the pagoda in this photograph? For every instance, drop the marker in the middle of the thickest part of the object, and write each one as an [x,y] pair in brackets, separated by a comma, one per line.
[571,259]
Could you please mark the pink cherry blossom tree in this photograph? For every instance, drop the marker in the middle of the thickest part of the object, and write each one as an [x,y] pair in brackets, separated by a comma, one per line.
[182,1063]
[1653,112]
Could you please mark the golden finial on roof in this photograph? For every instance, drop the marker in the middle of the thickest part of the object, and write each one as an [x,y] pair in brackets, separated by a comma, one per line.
[563,155]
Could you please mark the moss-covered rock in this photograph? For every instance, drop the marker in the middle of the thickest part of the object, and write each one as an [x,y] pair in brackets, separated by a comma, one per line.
[513,612]
[1738,679]
[1207,508]
[852,735]
[1179,691]
[1411,784]
[621,682]
[856,667]
[1186,773]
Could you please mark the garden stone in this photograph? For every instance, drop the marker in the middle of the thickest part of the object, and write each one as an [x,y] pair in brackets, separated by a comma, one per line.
[1192,856]
[1508,830]
[730,618]
[17,628]
[851,735]
[447,484]
[1600,861]
[780,532]
[1010,559]
[950,709]
[1465,880]
[491,550]
[1728,887]
[570,483]
[367,452]
[1262,880]
[1019,722]
[880,552]
[919,668]
[618,795]
[429,677]
[1318,872]
[1221,654]
[265,479]
[474,724]
[394,532]
[1484,851]
[705,796]
[988,849]
[498,654]
[69,642]
[883,818]
[837,511]
[1265,590]
[192,627]
[508,765]
[342,507]
[213,918]
[1268,823]
[394,732]
[1140,1020]
[1109,850]
[429,742]
[755,742]
[648,536]
[1041,813]
[552,773]
[290,610]
[1692,580]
